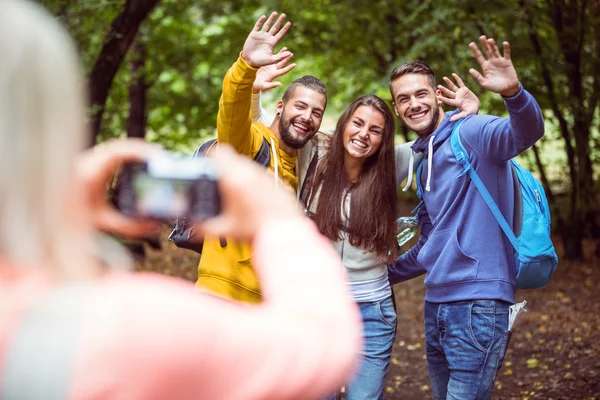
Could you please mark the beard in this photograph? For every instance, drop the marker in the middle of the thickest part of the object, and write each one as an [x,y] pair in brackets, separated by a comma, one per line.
[427,130]
[435,116]
[295,142]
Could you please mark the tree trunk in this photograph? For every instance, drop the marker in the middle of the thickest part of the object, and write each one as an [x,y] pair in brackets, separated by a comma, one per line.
[136,124]
[405,133]
[570,24]
[572,237]
[547,77]
[571,34]
[543,176]
[554,206]
[122,33]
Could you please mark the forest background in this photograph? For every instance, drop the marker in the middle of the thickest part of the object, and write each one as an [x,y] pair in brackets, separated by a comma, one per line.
[155,69]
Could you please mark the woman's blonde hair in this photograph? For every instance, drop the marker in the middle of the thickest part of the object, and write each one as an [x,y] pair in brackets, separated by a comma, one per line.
[42,129]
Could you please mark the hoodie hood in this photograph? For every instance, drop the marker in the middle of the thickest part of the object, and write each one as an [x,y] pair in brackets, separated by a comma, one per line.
[439,136]
[428,146]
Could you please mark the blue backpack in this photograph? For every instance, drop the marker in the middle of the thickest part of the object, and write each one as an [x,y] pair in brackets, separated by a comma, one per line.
[535,257]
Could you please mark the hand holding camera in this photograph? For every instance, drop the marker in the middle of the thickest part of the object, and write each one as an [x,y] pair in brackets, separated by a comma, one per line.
[96,169]
[225,195]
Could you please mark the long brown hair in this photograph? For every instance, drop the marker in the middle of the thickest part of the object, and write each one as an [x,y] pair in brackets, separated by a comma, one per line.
[373,201]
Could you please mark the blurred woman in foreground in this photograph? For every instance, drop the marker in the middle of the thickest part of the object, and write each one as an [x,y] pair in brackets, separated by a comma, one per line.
[138,335]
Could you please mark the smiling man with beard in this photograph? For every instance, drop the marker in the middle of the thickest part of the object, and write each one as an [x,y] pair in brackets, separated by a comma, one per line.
[225,267]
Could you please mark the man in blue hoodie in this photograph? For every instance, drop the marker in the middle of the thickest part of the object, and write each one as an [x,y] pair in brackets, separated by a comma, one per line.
[471,278]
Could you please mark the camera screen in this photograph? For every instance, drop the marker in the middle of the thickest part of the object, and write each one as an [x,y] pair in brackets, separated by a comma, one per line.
[166,189]
[161,197]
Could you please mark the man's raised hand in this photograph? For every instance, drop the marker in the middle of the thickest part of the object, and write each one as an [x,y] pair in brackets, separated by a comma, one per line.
[259,47]
[265,77]
[459,96]
[498,73]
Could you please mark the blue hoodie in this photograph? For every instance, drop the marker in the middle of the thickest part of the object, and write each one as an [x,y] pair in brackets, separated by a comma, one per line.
[462,248]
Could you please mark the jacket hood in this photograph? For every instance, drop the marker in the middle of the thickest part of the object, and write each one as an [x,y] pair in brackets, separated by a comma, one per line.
[439,135]
[428,146]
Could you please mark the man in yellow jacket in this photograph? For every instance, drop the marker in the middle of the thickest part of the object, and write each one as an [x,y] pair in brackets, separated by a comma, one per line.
[226,265]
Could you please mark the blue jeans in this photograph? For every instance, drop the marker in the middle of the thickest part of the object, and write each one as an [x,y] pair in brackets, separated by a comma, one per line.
[379,331]
[465,343]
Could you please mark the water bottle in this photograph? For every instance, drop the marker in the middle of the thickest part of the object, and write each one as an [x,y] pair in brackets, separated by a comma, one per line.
[406,228]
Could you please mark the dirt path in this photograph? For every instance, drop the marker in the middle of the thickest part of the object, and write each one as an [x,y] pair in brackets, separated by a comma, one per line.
[554,351]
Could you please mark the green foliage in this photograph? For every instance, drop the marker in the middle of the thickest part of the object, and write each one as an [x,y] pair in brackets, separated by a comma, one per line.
[189,46]
[351,45]
[88,21]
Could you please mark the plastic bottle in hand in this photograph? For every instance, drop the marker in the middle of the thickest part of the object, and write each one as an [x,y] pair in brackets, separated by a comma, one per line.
[406,228]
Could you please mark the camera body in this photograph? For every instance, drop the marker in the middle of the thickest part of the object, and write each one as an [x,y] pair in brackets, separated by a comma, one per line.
[169,186]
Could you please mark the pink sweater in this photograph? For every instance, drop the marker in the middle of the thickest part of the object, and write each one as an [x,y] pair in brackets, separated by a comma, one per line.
[148,336]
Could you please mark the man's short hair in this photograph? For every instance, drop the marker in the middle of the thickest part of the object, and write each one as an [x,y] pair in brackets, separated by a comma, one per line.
[413,67]
[307,81]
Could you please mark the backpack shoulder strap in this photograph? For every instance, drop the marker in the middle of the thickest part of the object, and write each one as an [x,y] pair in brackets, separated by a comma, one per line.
[462,157]
[518,218]
[205,147]
[458,149]
[41,354]
[263,157]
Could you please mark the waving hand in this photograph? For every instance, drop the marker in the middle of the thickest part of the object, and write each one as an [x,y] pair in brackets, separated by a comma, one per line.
[460,97]
[266,75]
[259,47]
[498,73]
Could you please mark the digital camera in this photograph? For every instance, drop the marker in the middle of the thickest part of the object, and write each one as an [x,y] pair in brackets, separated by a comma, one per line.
[169,186]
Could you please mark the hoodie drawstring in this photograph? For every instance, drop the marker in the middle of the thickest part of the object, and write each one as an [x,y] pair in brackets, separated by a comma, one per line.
[275,163]
[429,163]
[296,168]
[411,164]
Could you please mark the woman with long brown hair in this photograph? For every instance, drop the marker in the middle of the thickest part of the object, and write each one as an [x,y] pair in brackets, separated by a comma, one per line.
[358,162]
[353,202]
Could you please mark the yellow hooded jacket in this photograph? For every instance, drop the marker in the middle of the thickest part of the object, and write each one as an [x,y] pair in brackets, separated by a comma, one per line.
[227,271]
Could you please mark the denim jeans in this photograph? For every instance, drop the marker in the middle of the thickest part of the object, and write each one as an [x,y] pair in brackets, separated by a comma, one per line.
[465,343]
[379,331]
